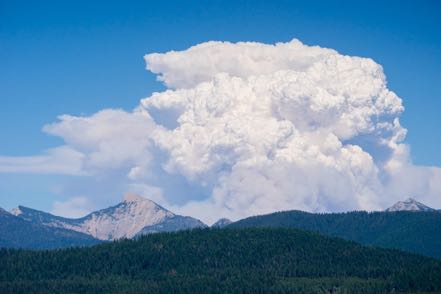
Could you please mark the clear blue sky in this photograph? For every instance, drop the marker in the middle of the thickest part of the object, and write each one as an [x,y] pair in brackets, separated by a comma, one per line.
[78,57]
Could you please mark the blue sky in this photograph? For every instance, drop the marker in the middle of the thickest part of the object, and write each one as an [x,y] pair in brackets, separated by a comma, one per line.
[78,57]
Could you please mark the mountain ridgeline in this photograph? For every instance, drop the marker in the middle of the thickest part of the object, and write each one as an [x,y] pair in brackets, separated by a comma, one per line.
[258,254]
[418,232]
[253,260]
[134,216]
[407,225]
[18,233]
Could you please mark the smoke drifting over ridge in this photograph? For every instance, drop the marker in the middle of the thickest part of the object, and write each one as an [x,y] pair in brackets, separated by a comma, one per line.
[250,128]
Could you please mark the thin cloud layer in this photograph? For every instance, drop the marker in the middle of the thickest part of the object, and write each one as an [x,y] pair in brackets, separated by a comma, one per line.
[251,128]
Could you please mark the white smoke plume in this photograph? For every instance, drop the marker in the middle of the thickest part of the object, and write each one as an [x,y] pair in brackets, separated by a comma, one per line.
[250,128]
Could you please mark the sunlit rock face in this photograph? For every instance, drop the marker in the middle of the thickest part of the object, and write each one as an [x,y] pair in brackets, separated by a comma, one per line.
[124,220]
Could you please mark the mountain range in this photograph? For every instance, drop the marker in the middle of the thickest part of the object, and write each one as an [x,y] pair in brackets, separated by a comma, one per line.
[398,227]
[134,215]
[29,228]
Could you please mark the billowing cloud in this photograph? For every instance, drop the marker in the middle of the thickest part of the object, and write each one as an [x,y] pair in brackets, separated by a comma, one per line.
[201,63]
[250,128]
[272,127]
[109,139]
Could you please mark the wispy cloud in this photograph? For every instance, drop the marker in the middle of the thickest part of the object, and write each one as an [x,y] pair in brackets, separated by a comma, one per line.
[61,160]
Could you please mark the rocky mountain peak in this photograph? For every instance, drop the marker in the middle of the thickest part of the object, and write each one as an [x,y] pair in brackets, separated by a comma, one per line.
[409,204]
[132,197]
[223,222]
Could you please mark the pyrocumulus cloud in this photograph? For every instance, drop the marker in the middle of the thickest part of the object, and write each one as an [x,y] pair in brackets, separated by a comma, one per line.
[251,128]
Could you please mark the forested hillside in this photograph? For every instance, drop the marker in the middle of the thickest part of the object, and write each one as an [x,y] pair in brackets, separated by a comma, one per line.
[219,261]
[418,232]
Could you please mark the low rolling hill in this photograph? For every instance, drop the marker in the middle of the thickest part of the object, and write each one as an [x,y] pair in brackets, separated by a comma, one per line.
[418,232]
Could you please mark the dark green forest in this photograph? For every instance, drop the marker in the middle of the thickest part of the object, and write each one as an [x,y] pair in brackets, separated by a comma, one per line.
[257,260]
[418,232]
